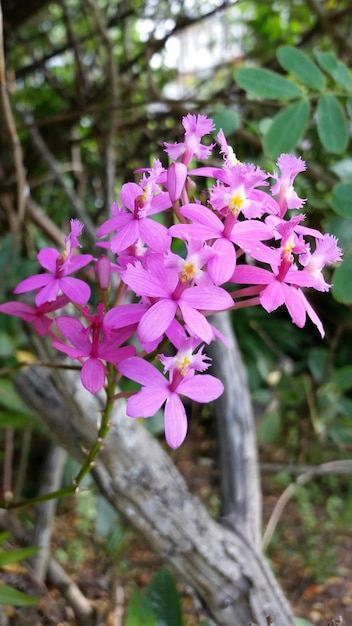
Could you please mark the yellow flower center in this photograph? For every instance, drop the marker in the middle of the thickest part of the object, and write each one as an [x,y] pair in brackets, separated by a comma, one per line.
[188,271]
[288,248]
[183,364]
[235,204]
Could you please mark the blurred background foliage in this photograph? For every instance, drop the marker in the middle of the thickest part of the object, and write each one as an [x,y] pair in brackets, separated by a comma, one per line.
[97,86]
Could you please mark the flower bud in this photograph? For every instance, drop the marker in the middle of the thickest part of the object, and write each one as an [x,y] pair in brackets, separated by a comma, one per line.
[176,178]
[103,271]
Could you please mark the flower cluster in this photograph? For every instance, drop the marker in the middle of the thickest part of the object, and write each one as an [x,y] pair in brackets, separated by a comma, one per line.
[242,246]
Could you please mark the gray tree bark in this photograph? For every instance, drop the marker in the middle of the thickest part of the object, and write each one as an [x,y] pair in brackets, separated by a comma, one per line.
[225,567]
[241,505]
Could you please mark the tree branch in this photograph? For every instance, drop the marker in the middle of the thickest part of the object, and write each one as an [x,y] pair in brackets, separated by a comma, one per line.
[225,569]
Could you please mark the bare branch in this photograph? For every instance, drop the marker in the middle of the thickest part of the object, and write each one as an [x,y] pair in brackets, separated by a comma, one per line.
[8,134]
[56,575]
[225,569]
[334,467]
[54,166]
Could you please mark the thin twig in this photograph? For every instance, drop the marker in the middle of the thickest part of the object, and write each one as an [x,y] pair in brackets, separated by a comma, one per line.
[54,166]
[334,467]
[112,75]
[56,575]
[10,128]
[8,462]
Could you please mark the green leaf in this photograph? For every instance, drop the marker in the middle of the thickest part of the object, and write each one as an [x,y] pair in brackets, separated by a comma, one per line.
[287,128]
[327,61]
[341,199]
[10,419]
[341,433]
[340,228]
[165,600]
[269,428]
[342,283]
[301,66]
[13,556]
[266,84]
[10,399]
[342,378]
[349,106]
[4,537]
[227,119]
[139,611]
[11,596]
[337,69]
[317,360]
[332,124]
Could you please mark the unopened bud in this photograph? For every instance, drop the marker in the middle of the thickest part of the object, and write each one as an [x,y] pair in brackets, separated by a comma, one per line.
[103,271]
[176,178]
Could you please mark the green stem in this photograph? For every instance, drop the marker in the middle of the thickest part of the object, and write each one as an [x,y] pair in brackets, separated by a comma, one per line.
[89,462]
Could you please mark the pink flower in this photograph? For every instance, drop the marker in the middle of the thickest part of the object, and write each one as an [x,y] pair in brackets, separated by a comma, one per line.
[207,226]
[157,390]
[133,221]
[59,267]
[37,315]
[196,126]
[237,193]
[91,347]
[280,288]
[290,166]
[171,294]
[326,251]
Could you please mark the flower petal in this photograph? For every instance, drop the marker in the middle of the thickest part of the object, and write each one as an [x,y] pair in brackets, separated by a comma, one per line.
[201,388]
[156,320]
[93,375]
[175,421]
[142,372]
[146,402]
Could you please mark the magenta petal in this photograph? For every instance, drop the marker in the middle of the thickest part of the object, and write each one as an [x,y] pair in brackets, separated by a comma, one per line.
[33,282]
[295,306]
[272,296]
[126,236]
[201,388]
[156,320]
[193,231]
[77,262]
[142,372]
[47,258]
[129,192]
[208,298]
[124,315]
[146,402]
[75,289]
[73,330]
[93,375]
[222,265]
[312,314]
[73,353]
[175,421]
[21,309]
[250,275]
[49,292]
[143,283]
[155,235]
[114,223]
[196,322]
[199,214]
